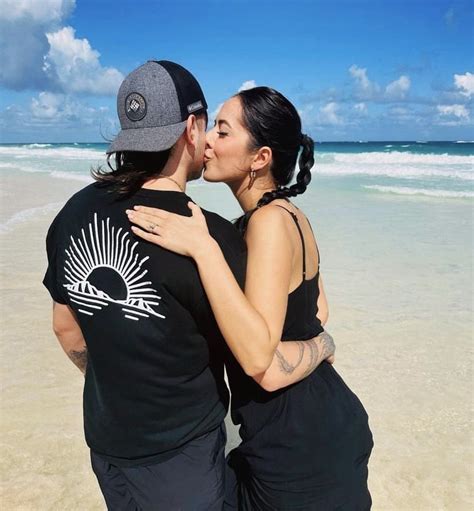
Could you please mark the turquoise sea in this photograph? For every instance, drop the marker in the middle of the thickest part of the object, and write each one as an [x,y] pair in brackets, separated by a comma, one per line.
[428,169]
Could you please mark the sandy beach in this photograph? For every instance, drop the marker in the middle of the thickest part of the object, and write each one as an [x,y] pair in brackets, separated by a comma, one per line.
[402,326]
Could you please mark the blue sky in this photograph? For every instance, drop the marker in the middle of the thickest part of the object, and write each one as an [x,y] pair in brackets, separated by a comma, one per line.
[355,69]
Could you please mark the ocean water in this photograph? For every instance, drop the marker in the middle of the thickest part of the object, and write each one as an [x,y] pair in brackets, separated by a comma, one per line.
[394,225]
[426,169]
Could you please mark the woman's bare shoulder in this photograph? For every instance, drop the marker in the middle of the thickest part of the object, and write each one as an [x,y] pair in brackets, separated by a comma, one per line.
[270,215]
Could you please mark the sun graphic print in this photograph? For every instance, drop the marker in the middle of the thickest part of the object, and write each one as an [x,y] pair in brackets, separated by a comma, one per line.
[103,267]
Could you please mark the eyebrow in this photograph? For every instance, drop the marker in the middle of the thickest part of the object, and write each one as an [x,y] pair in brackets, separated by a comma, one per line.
[222,121]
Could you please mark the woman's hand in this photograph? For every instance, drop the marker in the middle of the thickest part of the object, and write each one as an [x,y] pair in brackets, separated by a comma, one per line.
[185,235]
[327,346]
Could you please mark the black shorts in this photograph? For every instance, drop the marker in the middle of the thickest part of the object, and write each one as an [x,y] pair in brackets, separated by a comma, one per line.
[193,480]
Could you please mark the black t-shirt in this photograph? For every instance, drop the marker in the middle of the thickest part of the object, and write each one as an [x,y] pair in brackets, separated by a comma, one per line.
[154,378]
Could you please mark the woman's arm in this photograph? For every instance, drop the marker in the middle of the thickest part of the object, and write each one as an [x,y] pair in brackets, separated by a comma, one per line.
[323,309]
[251,323]
[295,360]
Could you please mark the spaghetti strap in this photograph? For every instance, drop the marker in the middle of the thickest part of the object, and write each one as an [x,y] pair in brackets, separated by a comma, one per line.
[317,248]
[295,218]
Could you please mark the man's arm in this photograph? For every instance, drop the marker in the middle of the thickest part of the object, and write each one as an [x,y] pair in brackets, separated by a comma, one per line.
[69,335]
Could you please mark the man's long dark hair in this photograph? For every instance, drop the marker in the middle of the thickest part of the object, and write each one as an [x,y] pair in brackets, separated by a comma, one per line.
[132,170]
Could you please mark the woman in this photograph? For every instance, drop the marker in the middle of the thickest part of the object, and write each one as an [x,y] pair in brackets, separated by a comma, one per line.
[305,446]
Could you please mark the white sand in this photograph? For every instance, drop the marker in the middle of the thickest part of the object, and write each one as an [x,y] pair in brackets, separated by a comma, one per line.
[411,368]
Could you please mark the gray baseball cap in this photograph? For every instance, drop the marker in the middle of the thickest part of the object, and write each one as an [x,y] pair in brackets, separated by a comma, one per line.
[153,104]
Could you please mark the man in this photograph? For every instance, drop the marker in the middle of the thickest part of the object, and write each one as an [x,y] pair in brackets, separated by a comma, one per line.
[134,317]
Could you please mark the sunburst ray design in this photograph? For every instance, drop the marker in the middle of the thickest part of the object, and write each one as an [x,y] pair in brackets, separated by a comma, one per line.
[102,248]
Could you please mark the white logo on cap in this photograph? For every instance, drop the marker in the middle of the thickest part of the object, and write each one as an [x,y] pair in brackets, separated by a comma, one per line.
[194,106]
[135,106]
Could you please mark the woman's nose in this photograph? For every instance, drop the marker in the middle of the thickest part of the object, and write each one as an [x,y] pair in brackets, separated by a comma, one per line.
[210,137]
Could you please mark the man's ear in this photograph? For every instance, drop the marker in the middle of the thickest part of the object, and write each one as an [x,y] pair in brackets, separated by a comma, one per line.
[262,158]
[191,131]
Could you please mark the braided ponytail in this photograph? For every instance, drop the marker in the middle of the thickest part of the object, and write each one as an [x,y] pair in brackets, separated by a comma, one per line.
[303,178]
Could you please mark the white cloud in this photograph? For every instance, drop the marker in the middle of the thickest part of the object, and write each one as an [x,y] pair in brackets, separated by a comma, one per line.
[213,115]
[47,105]
[361,108]
[63,110]
[365,88]
[48,112]
[75,65]
[368,90]
[465,83]
[328,114]
[398,89]
[249,84]
[459,111]
[38,10]
[36,52]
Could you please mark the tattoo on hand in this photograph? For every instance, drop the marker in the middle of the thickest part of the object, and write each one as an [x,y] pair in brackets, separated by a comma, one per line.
[79,358]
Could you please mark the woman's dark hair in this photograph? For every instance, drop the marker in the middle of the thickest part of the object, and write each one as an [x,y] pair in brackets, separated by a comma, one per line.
[132,170]
[273,121]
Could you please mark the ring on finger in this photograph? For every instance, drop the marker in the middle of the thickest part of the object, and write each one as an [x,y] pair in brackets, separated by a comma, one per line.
[151,227]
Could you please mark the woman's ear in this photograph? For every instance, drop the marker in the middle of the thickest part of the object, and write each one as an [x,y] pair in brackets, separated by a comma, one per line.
[262,158]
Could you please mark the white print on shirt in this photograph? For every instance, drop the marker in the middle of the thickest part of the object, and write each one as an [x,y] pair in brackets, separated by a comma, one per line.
[105,253]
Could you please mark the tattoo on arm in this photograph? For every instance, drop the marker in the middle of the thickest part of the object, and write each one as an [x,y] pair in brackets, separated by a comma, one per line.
[313,357]
[79,358]
[320,348]
[328,344]
[285,366]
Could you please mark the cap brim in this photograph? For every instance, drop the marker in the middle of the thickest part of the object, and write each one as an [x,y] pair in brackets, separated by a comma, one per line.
[147,139]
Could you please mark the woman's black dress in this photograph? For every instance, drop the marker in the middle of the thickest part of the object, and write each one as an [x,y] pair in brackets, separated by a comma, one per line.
[304,447]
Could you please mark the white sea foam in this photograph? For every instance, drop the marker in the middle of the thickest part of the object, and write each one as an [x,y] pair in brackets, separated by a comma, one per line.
[401,190]
[405,172]
[396,164]
[34,146]
[61,153]
[72,175]
[28,214]
[400,157]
